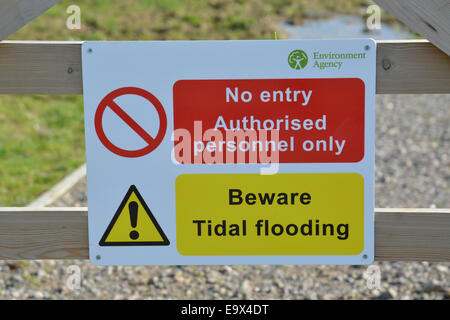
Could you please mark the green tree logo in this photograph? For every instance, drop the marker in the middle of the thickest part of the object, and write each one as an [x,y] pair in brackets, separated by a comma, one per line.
[298,59]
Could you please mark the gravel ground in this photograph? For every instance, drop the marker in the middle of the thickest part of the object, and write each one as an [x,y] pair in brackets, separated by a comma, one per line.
[412,170]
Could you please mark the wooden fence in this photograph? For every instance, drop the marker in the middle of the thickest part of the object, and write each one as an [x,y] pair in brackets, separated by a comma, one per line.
[38,67]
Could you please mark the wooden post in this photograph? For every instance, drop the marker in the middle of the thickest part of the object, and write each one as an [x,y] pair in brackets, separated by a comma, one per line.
[14,14]
[429,18]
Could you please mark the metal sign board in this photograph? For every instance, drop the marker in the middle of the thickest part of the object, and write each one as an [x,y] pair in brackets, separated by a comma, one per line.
[230,152]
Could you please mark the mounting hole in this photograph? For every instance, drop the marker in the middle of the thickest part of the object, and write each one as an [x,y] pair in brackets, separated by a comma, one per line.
[365,256]
[98,257]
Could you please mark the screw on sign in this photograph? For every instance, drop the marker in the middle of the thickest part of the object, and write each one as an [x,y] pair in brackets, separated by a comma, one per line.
[152,143]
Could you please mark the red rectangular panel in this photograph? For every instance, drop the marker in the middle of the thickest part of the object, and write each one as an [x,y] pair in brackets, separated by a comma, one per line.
[318,120]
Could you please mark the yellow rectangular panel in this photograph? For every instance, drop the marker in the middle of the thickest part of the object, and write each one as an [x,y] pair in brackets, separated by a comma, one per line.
[281,214]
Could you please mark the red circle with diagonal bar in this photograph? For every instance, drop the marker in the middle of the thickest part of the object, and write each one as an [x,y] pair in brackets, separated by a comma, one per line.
[108,101]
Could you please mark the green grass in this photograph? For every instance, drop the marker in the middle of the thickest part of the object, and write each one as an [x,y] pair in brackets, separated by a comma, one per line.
[42,137]
[181,19]
[41,141]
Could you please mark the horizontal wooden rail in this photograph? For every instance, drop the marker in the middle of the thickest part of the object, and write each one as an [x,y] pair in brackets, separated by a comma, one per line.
[62,233]
[28,67]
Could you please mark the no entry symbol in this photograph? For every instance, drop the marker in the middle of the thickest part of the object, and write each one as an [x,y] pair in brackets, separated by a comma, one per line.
[152,143]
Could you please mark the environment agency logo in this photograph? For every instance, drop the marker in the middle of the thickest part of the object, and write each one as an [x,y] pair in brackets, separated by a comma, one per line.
[298,59]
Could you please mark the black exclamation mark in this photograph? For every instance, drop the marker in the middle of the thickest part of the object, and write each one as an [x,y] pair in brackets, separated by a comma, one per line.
[133,209]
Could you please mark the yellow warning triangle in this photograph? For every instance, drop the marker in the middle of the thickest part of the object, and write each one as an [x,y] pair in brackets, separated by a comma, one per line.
[133,224]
